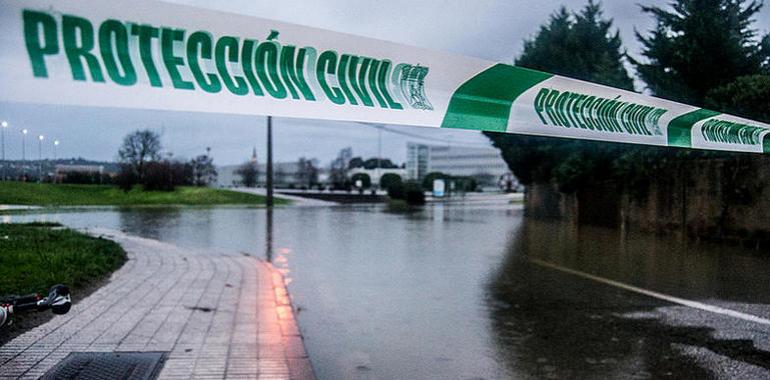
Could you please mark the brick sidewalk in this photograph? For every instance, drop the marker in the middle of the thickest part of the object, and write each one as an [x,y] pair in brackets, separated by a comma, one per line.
[218,315]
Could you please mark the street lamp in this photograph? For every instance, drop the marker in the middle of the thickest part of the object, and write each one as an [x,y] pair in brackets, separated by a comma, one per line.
[55,144]
[40,158]
[23,144]
[24,154]
[4,124]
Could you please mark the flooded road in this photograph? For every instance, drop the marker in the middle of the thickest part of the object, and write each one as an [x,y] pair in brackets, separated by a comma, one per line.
[471,291]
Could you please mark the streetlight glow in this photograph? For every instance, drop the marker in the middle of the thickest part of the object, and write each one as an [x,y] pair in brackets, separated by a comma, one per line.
[24,131]
[41,137]
[4,124]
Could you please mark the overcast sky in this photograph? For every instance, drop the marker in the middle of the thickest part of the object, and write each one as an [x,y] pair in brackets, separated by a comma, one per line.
[488,29]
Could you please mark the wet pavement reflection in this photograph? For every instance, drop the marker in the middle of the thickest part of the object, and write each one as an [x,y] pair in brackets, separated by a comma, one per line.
[454,291]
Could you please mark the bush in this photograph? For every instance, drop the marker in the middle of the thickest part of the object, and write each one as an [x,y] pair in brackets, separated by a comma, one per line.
[366,181]
[410,191]
[126,178]
[389,179]
[80,178]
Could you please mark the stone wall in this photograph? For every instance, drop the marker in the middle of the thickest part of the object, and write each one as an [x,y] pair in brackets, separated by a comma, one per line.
[707,200]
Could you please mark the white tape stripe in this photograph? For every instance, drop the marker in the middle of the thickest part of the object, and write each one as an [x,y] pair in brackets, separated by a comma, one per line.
[661,296]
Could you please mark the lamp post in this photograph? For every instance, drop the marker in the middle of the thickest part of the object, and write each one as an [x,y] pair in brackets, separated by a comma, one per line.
[269,174]
[4,124]
[55,144]
[24,154]
[40,158]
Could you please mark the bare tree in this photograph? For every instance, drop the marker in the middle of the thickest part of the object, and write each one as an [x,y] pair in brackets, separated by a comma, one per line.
[139,148]
[307,172]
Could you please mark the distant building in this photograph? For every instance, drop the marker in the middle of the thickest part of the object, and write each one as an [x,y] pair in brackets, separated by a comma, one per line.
[80,173]
[484,164]
[417,158]
[285,174]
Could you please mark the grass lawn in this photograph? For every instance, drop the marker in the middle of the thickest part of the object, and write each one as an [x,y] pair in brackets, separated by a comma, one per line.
[34,257]
[34,194]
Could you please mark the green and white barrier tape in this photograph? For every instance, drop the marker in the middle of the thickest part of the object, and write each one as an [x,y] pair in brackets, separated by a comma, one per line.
[153,55]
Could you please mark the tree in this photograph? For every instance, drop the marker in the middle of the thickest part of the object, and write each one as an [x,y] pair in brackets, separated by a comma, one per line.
[705,53]
[700,45]
[249,173]
[126,178]
[307,172]
[204,172]
[355,163]
[580,45]
[389,180]
[139,148]
[747,96]
[338,171]
[366,181]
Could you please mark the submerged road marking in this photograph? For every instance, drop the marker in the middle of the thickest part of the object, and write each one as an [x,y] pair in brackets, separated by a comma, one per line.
[661,296]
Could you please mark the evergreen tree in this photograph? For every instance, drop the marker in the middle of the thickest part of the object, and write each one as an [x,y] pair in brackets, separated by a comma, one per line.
[747,96]
[579,45]
[699,45]
[583,46]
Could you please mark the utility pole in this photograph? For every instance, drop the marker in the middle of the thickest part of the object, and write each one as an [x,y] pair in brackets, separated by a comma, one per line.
[24,154]
[269,174]
[4,126]
[40,159]
[379,157]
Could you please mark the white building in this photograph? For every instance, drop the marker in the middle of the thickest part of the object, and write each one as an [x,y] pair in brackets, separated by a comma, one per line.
[285,174]
[484,164]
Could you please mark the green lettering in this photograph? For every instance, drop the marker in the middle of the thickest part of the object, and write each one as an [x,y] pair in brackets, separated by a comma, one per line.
[79,49]
[200,46]
[109,31]
[36,49]
[227,51]
[146,33]
[248,54]
[267,69]
[326,66]
[172,62]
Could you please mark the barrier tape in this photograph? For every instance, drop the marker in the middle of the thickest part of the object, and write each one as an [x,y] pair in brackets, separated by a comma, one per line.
[153,55]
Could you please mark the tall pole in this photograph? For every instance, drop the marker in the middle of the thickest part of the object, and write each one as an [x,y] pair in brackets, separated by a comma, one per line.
[379,157]
[24,154]
[269,179]
[40,159]
[4,126]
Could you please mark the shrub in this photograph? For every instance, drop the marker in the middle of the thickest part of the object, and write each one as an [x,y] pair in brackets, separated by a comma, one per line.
[389,179]
[410,191]
[366,181]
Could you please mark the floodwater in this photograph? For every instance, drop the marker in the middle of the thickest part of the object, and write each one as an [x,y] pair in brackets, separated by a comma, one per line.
[474,291]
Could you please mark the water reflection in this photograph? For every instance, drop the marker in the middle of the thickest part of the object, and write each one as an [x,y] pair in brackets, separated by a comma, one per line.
[449,291]
[547,324]
[269,234]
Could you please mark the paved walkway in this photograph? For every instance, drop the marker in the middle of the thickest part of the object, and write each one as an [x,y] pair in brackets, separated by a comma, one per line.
[219,315]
